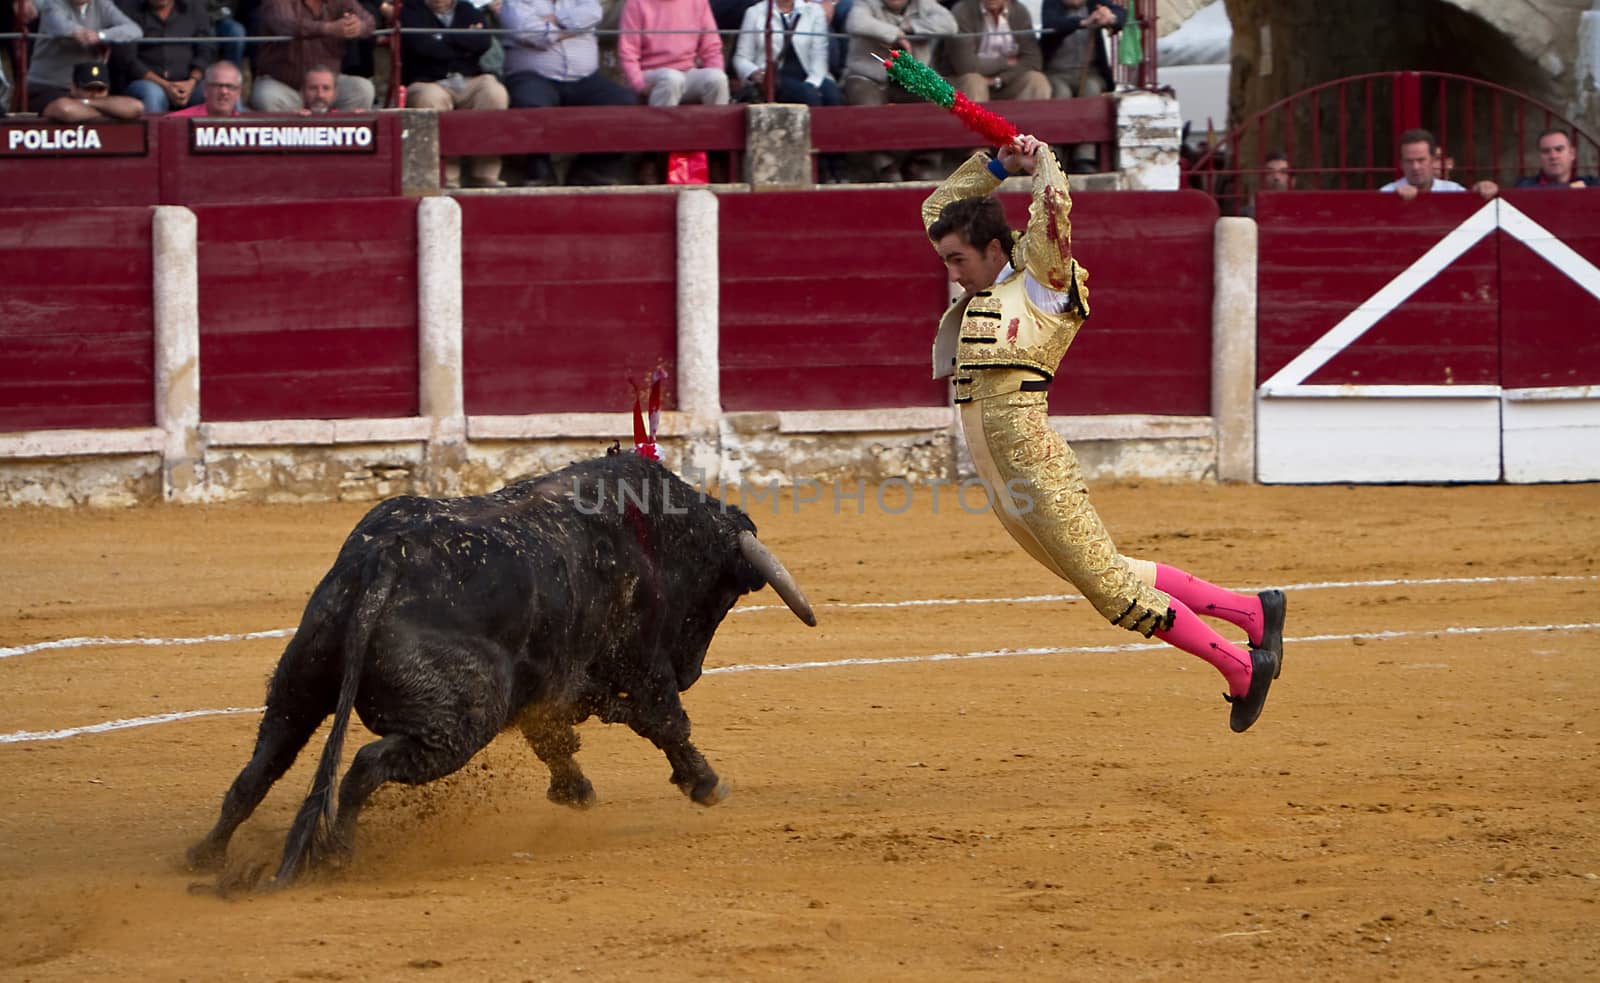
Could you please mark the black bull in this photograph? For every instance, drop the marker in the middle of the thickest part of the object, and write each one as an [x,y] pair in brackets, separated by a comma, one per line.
[592,591]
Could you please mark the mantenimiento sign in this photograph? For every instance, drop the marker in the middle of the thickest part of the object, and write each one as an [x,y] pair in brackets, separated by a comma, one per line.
[282,136]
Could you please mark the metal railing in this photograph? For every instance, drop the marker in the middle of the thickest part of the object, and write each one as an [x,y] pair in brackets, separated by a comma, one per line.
[1342,135]
[1140,74]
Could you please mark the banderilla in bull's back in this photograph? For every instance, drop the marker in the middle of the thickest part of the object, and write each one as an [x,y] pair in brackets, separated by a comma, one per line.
[446,621]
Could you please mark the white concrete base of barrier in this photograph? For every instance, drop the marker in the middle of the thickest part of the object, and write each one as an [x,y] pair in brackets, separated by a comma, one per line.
[1379,439]
[1551,434]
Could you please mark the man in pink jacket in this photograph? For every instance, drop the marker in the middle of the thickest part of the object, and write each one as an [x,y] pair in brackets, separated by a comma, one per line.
[670,52]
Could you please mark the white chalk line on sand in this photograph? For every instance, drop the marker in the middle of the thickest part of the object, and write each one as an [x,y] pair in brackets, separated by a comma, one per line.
[22,736]
[101,640]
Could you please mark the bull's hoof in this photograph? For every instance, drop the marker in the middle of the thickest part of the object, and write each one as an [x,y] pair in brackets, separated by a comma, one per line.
[710,792]
[205,856]
[240,879]
[578,794]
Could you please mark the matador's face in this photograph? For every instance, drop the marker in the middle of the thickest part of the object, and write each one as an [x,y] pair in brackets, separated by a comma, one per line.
[969,267]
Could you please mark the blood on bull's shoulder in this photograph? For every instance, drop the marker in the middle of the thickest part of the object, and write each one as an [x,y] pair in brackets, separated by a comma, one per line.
[591,591]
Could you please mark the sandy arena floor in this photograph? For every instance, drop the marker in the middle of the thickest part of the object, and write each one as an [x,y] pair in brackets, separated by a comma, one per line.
[1421,800]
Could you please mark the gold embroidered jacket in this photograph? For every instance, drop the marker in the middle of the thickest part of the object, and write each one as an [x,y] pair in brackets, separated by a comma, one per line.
[1002,327]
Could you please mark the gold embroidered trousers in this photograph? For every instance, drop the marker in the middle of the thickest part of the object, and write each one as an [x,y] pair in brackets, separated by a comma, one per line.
[1037,489]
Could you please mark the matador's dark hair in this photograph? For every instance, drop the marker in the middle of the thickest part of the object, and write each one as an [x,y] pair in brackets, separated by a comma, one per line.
[976,220]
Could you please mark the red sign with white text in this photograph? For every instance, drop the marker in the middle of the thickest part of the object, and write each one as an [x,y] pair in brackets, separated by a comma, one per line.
[35,139]
[328,135]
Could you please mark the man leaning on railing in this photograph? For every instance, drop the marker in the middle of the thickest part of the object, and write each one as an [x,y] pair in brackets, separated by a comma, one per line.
[553,59]
[166,74]
[320,29]
[70,34]
[441,72]
[1077,58]
[876,28]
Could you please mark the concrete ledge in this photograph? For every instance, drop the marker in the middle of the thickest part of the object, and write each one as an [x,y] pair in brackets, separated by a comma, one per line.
[81,443]
[272,433]
[879,421]
[550,425]
[1132,427]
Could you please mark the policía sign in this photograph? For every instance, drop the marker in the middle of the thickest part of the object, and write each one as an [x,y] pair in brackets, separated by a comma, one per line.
[328,135]
[35,139]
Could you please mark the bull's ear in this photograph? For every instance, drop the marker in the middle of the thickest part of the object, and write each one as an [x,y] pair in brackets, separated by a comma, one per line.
[769,567]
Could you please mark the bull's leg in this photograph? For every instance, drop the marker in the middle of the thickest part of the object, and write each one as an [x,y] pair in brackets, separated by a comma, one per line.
[400,758]
[284,730]
[666,725]
[555,742]
[446,707]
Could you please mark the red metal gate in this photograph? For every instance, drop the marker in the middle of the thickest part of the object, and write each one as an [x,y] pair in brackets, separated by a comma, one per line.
[1341,135]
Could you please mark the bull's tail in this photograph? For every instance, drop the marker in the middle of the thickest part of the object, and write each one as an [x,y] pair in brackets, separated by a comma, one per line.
[311,835]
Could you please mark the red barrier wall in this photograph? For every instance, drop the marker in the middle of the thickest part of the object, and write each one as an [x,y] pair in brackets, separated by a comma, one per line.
[63,181]
[201,179]
[1499,314]
[827,301]
[830,300]
[308,310]
[566,300]
[77,336]
[1146,347]
[1323,254]
[1549,325]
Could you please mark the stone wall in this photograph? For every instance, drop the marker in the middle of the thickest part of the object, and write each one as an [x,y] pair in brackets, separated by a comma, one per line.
[1548,49]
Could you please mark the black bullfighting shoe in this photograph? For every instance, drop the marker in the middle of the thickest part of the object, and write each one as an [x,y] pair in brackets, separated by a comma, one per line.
[1264,667]
[1273,606]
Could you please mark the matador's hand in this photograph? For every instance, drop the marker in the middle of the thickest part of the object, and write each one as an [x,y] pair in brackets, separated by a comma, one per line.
[1019,155]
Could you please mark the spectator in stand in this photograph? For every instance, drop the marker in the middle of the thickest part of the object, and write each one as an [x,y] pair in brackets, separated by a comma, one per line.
[877,27]
[1276,175]
[441,72]
[1443,163]
[663,57]
[553,59]
[71,33]
[320,29]
[89,98]
[1558,164]
[318,90]
[729,14]
[1419,153]
[1076,59]
[360,54]
[994,54]
[799,41]
[223,84]
[8,25]
[230,23]
[165,76]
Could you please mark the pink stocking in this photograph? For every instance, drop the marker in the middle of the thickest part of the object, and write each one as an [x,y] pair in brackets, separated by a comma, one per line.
[1196,637]
[1243,610]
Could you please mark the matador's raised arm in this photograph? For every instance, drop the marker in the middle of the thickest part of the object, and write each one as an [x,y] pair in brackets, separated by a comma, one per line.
[1046,247]
[972,179]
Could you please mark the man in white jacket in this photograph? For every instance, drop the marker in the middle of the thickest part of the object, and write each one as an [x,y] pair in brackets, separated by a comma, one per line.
[797,50]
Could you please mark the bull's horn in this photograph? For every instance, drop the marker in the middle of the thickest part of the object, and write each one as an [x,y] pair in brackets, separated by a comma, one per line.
[762,559]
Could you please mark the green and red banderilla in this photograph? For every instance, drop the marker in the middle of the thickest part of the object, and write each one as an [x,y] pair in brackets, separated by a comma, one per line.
[920,80]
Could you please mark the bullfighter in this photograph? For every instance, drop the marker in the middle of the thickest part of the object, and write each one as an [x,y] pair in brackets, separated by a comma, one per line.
[1002,340]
